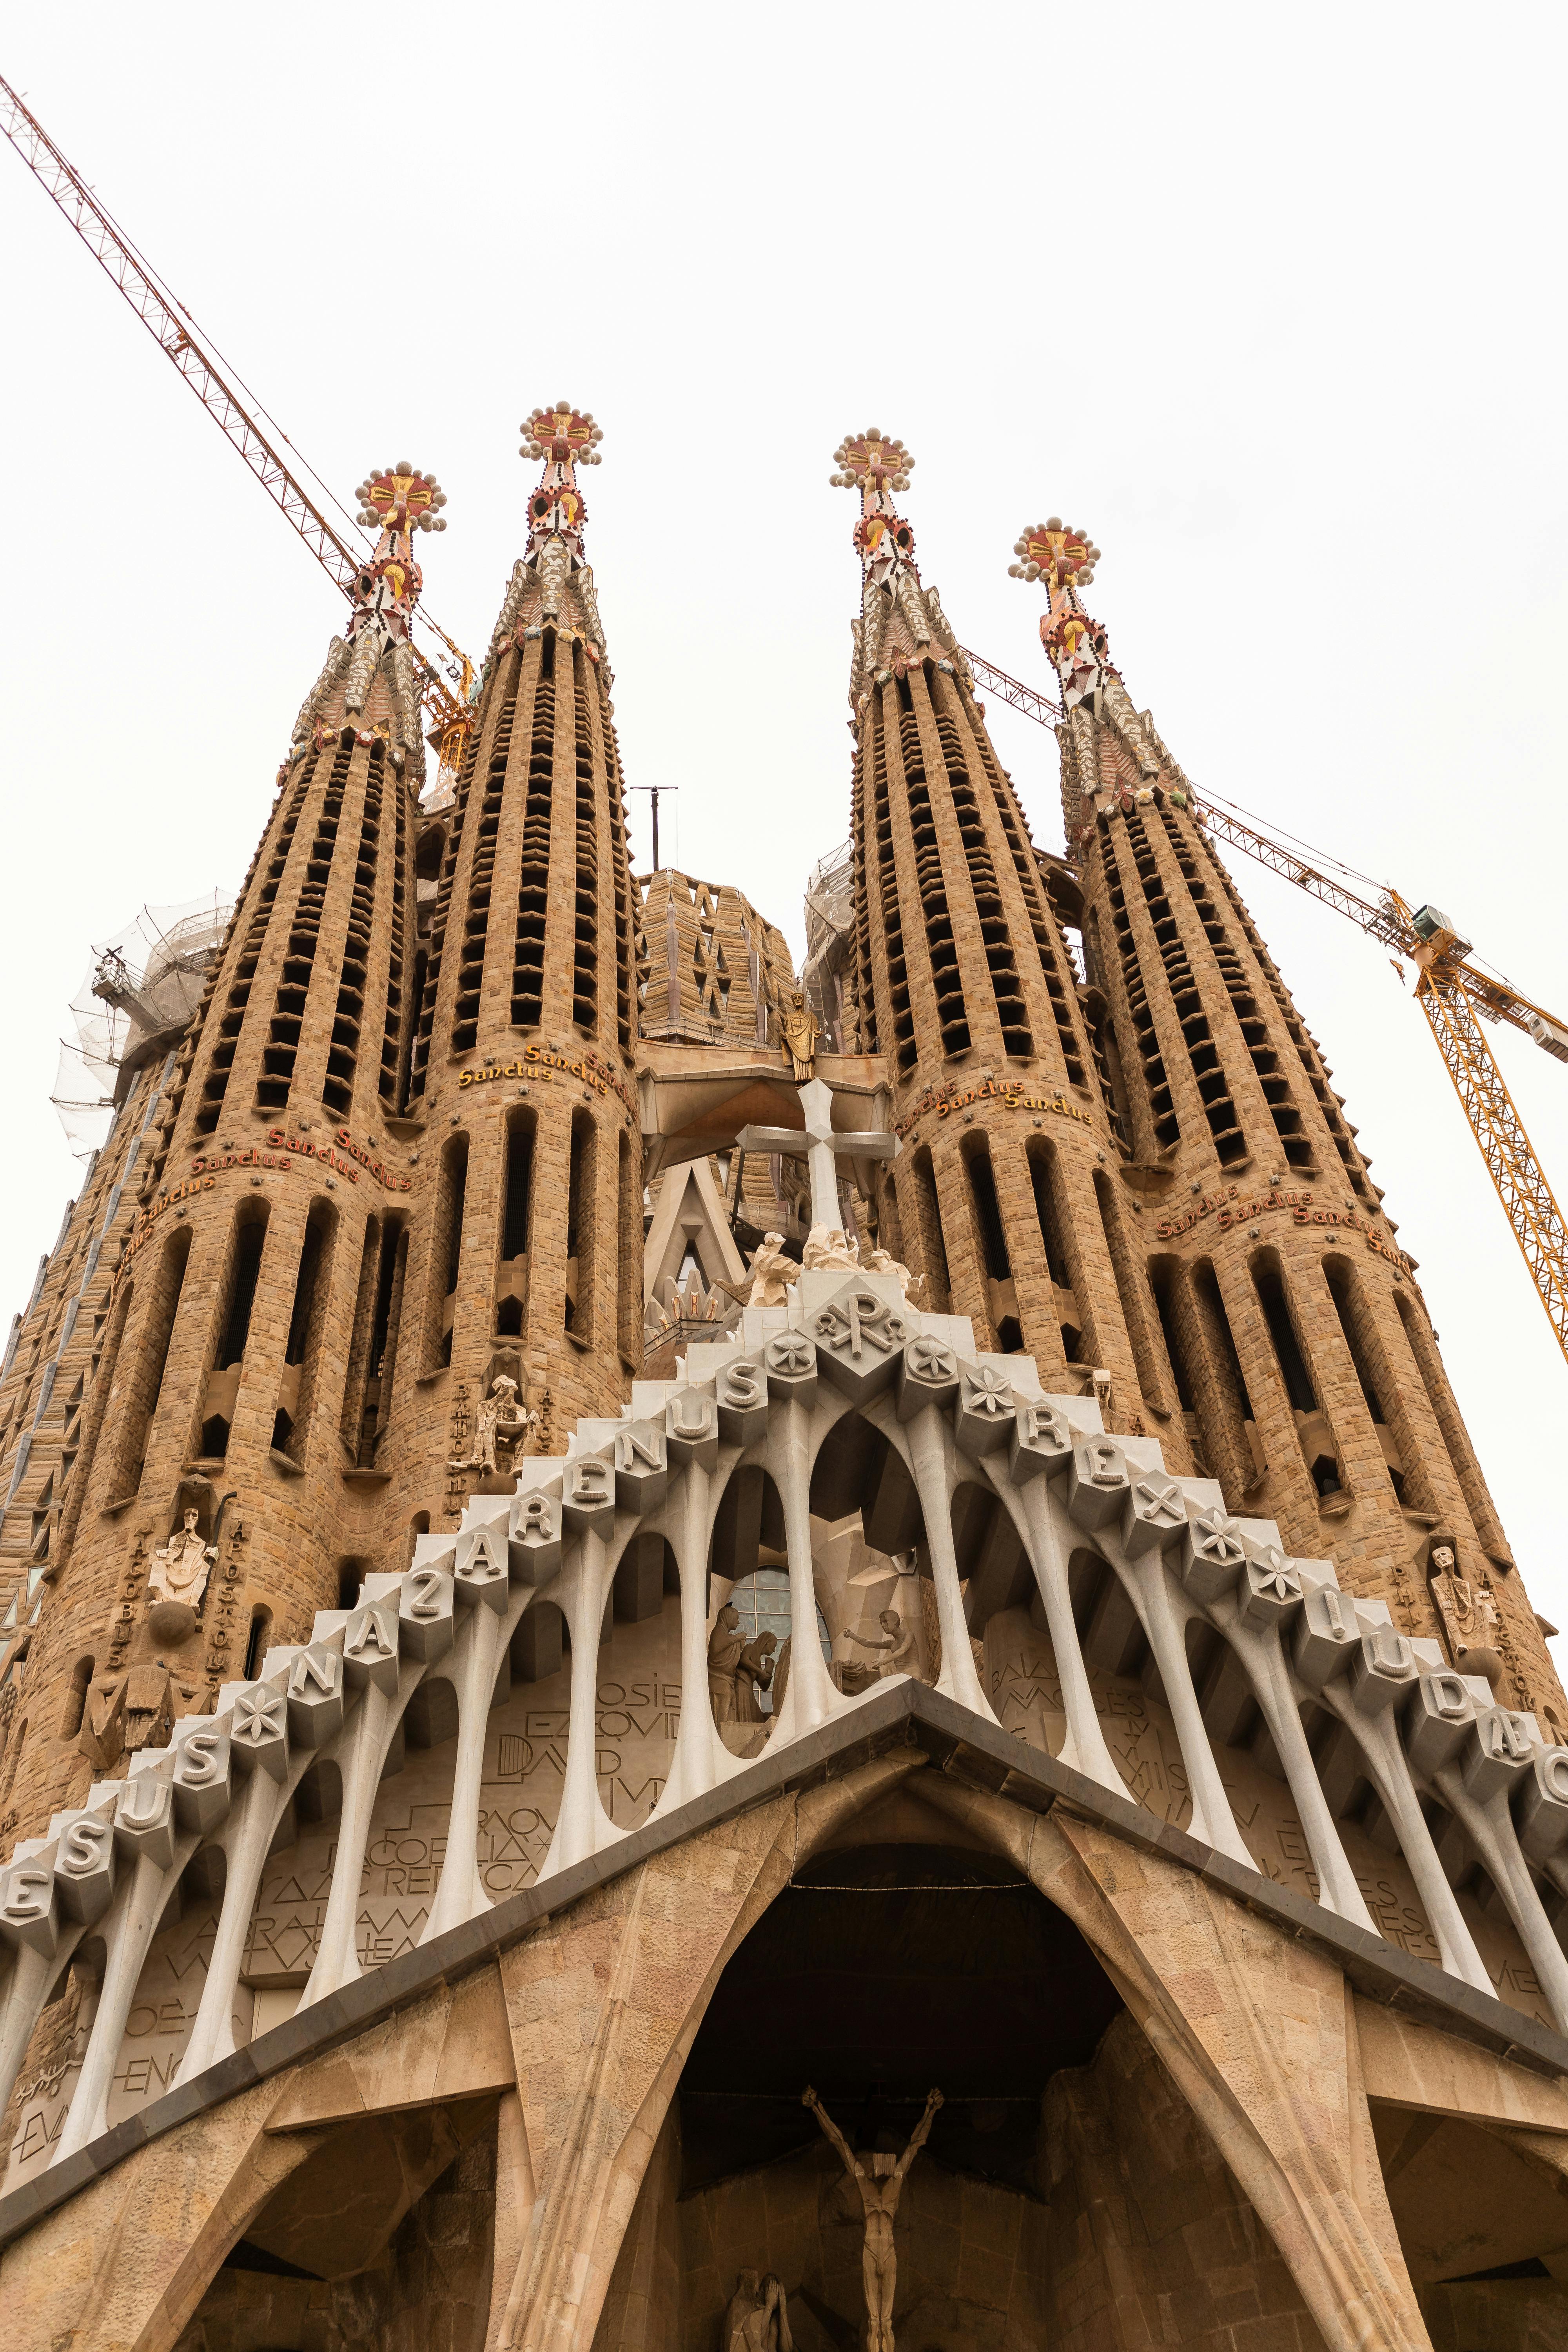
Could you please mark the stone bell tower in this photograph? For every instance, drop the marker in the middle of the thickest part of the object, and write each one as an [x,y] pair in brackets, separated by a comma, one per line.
[528,1258]
[1294,1346]
[1004,1195]
[217,1506]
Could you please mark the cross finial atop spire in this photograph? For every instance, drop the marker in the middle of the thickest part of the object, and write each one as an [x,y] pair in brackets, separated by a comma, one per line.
[1055,551]
[562,438]
[396,502]
[873,464]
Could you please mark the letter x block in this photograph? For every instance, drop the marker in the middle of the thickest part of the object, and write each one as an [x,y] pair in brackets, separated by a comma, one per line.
[1154,1515]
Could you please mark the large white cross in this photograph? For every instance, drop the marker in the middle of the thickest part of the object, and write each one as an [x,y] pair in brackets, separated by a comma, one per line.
[819,1147]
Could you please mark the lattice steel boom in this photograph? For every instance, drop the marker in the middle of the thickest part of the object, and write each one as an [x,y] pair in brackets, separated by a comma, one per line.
[171,326]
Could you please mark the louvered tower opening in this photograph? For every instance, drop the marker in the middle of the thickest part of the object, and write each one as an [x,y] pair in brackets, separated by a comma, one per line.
[863,886]
[1214,1088]
[625,921]
[420,1058]
[348,1014]
[1046,944]
[534,887]
[1157,1085]
[477,918]
[388,1083]
[1000,961]
[1296,1146]
[586,927]
[214,1086]
[941,945]
[281,1050]
[892,916]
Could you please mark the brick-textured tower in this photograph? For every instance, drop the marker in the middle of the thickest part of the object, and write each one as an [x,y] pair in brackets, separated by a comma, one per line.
[214,1406]
[1004,1195]
[1301,1359]
[528,1260]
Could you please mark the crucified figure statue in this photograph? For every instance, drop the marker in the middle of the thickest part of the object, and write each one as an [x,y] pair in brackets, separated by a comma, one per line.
[880,2189]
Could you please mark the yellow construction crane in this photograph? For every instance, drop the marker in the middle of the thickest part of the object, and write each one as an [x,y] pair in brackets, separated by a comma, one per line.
[340,552]
[1452,991]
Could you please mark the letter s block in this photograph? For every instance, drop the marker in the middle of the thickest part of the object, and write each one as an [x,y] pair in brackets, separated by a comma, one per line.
[84,1865]
[741,1393]
[201,1772]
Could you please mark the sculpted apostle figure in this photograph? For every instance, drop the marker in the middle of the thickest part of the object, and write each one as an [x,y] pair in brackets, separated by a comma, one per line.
[1469,1616]
[799,1030]
[880,2189]
[758,2316]
[726,1645]
[881,1261]
[772,1271]
[179,1569]
[898,1641]
[499,1421]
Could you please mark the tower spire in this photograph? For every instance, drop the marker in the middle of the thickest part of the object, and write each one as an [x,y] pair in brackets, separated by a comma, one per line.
[900,619]
[553,581]
[394,501]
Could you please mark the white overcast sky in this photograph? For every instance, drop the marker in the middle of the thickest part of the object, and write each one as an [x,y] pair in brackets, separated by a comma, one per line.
[1269,300]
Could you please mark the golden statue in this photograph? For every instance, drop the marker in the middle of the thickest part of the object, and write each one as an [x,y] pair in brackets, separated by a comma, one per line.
[799,1030]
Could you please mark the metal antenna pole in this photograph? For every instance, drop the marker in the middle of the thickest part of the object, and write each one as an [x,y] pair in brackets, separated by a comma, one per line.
[653,791]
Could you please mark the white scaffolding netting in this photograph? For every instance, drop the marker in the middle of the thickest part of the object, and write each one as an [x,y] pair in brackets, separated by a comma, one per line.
[829,929]
[142,988]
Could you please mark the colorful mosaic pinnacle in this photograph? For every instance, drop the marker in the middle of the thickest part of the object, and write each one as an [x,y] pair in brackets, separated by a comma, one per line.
[868,461]
[1055,551]
[401,499]
[561,436]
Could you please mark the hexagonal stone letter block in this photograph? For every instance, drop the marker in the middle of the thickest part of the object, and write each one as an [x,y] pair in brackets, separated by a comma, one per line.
[1041,1444]
[587,1496]
[1437,1717]
[859,1343]
[1542,1812]
[315,1694]
[202,1778]
[424,1614]
[370,1647]
[144,1818]
[1327,1638]
[479,1571]
[1098,1484]
[790,1362]
[535,1537]
[928,1374]
[1382,1669]
[27,1913]
[1500,1752]
[259,1728]
[1270,1589]
[692,1428]
[982,1418]
[1155,1513]
[1213,1552]
[741,1395]
[84,1865]
[642,1467]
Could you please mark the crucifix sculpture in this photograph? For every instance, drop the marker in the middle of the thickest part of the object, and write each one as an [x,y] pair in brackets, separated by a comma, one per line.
[820,1148]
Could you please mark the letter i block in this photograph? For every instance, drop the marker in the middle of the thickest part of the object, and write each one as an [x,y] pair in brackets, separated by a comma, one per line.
[1042,1443]
[84,1865]
[1542,1814]
[424,1614]
[741,1393]
[1213,1552]
[202,1771]
[928,1374]
[642,1467]
[258,1730]
[1327,1638]
[1438,1718]
[28,1917]
[144,1818]
[315,1694]
[535,1537]
[983,1417]
[692,1428]
[1154,1514]
[1500,1752]
[1098,1483]
[587,1496]
[790,1361]
[370,1647]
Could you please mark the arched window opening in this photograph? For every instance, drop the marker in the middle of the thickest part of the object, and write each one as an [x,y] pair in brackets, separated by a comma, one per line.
[1079,1343]
[581,1205]
[238,1294]
[630,1233]
[1351,1311]
[256,1641]
[1451,1429]
[1232,1444]
[1318,1445]
[927,1221]
[516,1218]
[447,1251]
[990,1246]
[295,1387]
[1129,1291]
[149,1361]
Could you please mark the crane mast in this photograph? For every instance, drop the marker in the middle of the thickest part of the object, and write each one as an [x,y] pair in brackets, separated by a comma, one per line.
[171,328]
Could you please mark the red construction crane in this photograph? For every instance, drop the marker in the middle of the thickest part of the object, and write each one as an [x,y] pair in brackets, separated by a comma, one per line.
[339,553]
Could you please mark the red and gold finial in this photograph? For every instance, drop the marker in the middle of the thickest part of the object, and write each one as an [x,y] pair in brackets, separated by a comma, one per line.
[871,461]
[1053,550]
[561,436]
[401,499]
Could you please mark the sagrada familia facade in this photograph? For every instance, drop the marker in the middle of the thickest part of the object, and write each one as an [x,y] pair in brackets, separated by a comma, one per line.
[700,1656]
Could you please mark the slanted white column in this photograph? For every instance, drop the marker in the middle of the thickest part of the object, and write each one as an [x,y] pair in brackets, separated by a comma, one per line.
[483,1597]
[811,1698]
[1026,1496]
[583,1827]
